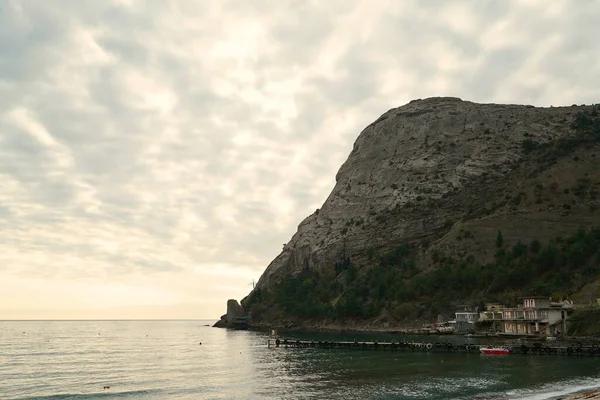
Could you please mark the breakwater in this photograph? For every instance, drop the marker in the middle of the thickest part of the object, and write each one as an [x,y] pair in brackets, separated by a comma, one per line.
[571,349]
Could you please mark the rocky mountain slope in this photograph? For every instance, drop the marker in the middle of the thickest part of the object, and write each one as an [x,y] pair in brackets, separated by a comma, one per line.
[443,177]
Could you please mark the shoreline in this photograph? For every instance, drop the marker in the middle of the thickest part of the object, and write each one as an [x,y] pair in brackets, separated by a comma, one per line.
[595,394]
[333,328]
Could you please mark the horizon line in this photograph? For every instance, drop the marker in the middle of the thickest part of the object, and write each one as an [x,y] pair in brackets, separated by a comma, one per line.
[108,319]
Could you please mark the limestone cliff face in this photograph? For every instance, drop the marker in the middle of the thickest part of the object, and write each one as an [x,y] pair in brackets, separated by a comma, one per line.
[417,171]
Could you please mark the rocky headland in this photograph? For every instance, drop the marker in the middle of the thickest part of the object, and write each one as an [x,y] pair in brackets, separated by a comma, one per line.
[444,201]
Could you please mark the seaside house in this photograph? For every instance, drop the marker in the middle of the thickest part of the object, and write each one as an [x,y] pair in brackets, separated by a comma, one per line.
[493,315]
[536,316]
[494,306]
[465,317]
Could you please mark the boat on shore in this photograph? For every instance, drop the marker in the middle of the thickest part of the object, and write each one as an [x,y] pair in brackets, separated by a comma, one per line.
[500,351]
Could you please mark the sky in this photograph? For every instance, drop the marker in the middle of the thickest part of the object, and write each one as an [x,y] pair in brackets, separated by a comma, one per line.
[156,155]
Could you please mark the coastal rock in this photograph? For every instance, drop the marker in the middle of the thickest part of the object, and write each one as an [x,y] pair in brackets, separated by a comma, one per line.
[234,310]
[222,322]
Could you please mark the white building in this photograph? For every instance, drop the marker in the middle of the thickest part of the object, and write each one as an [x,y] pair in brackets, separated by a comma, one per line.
[465,317]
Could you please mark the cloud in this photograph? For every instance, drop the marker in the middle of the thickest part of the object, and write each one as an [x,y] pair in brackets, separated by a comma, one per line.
[158,154]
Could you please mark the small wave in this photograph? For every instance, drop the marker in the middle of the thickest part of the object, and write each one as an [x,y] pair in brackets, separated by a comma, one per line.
[555,391]
[91,396]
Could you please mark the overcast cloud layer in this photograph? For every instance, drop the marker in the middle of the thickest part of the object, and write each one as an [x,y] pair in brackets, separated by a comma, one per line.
[155,155]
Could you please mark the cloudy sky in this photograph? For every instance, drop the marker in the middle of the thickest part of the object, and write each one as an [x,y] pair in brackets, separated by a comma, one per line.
[155,155]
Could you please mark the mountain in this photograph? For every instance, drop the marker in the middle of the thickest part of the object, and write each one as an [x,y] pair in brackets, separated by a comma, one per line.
[444,201]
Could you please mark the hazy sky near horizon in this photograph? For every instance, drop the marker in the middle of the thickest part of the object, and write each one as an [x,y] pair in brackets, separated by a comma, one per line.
[155,155]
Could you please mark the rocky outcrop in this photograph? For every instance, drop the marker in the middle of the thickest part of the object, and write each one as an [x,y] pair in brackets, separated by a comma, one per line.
[222,322]
[418,170]
[234,310]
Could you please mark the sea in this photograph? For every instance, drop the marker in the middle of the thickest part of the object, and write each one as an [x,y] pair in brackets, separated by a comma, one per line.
[185,360]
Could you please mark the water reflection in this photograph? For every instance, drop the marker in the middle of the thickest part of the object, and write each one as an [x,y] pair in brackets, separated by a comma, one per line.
[163,360]
[339,373]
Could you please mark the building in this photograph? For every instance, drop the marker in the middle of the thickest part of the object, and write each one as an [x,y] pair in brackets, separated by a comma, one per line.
[493,316]
[490,315]
[494,306]
[465,317]
[536,316]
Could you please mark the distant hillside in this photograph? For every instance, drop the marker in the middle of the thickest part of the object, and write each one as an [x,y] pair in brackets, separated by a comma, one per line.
[444,201]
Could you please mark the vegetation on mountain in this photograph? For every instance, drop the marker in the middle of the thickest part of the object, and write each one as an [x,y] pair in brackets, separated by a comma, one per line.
[585,322]
[393,283]
[586,130]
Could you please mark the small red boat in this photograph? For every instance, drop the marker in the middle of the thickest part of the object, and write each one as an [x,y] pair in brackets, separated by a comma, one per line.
[495,350]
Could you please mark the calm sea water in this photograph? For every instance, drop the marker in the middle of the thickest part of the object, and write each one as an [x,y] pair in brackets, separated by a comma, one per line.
[164,360]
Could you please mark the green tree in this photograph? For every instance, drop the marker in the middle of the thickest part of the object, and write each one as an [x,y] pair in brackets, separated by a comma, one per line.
[535,246]
[528,145]
[481,306]
[499,240]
